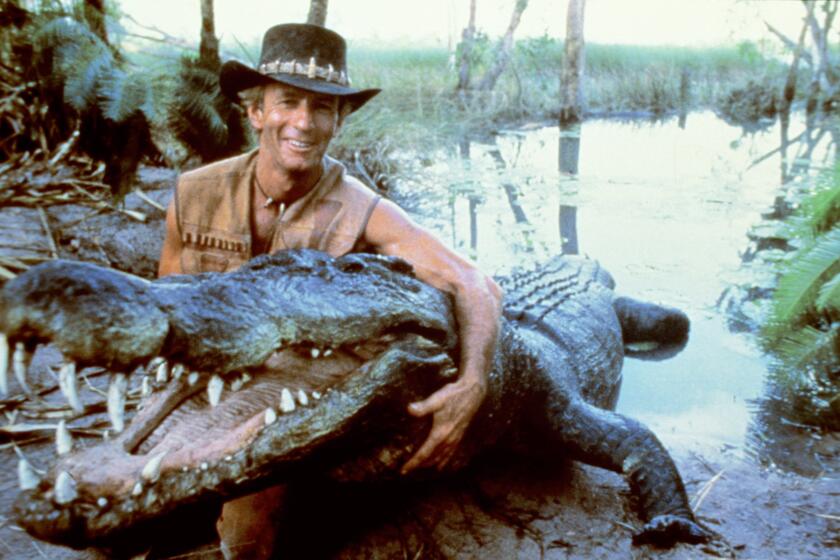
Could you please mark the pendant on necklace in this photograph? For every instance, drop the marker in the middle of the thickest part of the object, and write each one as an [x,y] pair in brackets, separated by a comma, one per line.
[268,202]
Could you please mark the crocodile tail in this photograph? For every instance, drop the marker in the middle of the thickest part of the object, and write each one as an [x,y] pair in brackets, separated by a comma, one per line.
[649,322]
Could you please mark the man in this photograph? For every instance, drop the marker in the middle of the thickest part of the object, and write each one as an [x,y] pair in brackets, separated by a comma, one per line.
[289,194]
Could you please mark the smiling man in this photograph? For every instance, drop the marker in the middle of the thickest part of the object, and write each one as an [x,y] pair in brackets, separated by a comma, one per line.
[289,194]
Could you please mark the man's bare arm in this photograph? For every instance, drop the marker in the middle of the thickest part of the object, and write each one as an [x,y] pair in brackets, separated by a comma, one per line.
[477,309]
[170,254]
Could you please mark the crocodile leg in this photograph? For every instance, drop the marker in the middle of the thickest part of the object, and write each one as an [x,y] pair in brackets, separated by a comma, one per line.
[615,442]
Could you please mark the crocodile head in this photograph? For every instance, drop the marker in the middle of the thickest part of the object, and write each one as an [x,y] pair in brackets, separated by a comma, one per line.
[292,361]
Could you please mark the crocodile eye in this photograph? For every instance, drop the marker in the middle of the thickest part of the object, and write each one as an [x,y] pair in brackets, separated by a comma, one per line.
[351,265]
[401,266]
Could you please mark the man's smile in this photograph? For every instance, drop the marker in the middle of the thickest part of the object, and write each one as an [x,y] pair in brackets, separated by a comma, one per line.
[300,145]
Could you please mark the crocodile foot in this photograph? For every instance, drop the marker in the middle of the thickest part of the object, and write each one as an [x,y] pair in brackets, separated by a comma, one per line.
[666,530]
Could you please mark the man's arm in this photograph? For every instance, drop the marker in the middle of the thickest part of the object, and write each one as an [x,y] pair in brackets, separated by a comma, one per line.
[170,254]
[477,309]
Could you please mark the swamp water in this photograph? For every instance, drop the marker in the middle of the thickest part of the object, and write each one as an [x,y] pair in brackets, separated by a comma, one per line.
[665,206]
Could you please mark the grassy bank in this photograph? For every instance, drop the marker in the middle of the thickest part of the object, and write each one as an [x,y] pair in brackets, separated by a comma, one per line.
[418,102]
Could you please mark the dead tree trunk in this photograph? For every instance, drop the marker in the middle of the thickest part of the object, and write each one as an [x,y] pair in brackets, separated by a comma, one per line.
[488,81]
[571,77]
[823,81]
[465,51]
[94,12]
[317,12]
[208,50]
[789,90]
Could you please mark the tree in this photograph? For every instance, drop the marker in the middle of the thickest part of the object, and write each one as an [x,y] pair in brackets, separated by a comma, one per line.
[488,81]
[94,15]
[571,77]
[317,12]
[824,79]
[208,50]
[465,51]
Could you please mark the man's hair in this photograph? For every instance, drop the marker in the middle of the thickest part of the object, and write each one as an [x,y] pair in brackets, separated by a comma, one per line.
[252,97]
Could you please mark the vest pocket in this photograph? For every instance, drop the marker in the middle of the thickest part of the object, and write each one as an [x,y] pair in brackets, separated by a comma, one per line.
[213,263]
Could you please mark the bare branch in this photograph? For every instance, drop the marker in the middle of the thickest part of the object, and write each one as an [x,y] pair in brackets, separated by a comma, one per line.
[797,48]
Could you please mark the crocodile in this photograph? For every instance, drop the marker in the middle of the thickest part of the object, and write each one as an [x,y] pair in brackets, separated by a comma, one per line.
[351,341]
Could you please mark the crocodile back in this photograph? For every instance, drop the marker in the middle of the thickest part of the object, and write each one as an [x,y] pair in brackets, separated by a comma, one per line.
[564,308]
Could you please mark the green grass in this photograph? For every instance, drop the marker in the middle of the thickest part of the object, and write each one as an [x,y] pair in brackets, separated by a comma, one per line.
[418,105]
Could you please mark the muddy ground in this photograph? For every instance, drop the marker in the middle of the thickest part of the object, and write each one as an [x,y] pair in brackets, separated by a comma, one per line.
[500,508]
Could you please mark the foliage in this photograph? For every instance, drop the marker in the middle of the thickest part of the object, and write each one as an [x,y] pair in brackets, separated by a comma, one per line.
[201,117]
[803,330]
[84,90]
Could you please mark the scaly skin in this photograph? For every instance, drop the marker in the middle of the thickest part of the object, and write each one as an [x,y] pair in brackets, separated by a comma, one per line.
[557,371]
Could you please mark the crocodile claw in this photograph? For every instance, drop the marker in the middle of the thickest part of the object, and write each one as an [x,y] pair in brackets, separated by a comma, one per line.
[666,530]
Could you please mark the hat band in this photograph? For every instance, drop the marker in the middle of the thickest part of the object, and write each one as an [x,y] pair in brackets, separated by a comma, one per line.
[311,70]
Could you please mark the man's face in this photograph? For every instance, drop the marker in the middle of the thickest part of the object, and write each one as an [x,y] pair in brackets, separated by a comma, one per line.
[295,126]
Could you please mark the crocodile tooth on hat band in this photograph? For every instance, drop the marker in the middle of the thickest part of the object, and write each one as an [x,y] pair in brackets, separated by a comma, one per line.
[310,70]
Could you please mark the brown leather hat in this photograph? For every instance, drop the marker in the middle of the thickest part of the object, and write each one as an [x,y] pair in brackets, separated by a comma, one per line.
[305,56]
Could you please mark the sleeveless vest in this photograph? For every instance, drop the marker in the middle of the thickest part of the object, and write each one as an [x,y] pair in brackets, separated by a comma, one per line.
[213,205]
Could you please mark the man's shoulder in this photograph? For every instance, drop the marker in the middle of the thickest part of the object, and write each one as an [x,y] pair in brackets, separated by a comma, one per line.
[352,184]
[236,165]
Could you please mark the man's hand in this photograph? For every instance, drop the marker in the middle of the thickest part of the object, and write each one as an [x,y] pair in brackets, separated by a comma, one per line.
[453,406]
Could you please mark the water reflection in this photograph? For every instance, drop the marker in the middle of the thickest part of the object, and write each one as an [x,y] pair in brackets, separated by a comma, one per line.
[569,149]
[568,230]
[665,207]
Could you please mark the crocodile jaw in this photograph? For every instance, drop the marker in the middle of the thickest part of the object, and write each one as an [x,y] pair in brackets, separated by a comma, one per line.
[145,478]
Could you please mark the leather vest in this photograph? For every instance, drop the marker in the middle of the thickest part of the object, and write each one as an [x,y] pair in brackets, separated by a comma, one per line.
[213,205]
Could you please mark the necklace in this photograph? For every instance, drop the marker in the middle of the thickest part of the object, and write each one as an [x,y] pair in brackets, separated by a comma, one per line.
[268,200]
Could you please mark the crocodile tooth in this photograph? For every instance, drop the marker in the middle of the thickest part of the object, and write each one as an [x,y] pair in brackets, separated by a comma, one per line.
[302,398]
[192,378]
[4,364]
[177,371]
[19,364]
[68,383]
[162,372]
[151,471]
[214,390]
[63,439]
[270,416]
[154,363]
[27,477]
[102,501]
[287,403]
[240,382]
[146,387]
[65,488]
[314,352]
[328,352]
[138,489]
[116,401]
[316,395]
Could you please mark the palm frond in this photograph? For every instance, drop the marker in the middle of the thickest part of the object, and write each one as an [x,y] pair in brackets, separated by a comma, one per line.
[800,285]
[797,349]
[806,376]
[828,300]
[823,208]
[201,117]
[84,74]
[121,94]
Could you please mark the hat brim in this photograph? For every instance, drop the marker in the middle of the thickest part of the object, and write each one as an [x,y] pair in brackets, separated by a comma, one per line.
[235,77]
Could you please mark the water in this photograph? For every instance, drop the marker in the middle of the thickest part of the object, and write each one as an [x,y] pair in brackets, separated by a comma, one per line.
[665,208]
